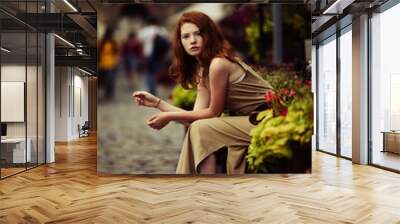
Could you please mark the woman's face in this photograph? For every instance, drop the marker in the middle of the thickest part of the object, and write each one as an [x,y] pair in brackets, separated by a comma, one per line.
[191,39]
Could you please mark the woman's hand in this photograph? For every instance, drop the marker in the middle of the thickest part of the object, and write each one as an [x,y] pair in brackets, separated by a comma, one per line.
[143,98]
[159,120]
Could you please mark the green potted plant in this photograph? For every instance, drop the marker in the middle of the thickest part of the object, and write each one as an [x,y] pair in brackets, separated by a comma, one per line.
[281,142]
[183,98]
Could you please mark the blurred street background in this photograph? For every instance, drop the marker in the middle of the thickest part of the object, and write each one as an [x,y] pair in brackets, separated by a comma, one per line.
[126,144]
[134,44]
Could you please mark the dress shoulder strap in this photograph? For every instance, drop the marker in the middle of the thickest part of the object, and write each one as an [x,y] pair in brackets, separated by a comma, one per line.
[250,70]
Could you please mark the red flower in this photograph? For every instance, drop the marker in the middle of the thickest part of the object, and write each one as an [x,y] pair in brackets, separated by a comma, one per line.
[292,92]
[298,82]
[307,83]
[284,112]
[284,91]
[270,96]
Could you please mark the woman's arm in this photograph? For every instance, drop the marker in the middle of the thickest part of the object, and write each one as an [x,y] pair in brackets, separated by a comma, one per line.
[167,107]
[202,100]
[218,75]
[146,99]
[218,80]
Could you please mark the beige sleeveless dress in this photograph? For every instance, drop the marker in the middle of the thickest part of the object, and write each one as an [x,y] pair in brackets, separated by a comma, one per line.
[207,136]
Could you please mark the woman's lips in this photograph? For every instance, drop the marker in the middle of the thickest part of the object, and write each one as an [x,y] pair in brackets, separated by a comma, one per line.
[194,48]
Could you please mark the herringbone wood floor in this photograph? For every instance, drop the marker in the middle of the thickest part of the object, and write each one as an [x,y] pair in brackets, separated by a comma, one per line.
[70,191]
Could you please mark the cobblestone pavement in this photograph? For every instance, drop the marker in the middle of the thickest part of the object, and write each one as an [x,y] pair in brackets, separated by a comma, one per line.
[126,145]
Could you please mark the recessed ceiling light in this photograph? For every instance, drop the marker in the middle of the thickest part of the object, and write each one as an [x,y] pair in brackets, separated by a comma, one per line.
[5,50]
[70,5]
[64,40]
[338,6]
[84,71]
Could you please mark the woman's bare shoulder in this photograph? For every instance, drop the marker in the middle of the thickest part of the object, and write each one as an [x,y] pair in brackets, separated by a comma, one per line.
[220,64]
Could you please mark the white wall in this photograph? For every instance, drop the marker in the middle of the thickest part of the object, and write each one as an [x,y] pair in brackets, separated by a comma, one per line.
[71,94]
[33,126]
[62,81]
[12,73]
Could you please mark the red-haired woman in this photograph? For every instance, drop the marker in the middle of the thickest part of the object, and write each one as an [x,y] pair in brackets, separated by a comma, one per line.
[205,60]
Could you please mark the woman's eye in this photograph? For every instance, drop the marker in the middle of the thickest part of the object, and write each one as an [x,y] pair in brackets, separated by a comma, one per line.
[185,36]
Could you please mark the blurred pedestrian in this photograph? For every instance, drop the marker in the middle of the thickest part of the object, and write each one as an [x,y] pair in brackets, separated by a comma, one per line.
[155,46]
[132,57]
[108,63]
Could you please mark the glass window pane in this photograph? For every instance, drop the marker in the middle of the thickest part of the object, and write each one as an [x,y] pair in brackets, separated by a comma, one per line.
[41,98]
[385,89]
[346,94]
[14,148]
[327,96]
[22,71]
[31,100]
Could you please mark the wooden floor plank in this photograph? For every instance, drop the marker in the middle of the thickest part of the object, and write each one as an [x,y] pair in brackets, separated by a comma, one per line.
[70,191]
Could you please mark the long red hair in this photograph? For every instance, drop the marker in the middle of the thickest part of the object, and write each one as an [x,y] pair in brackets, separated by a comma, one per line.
[186,66]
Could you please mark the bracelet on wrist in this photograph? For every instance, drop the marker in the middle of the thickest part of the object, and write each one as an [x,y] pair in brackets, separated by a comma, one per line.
[158,103]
